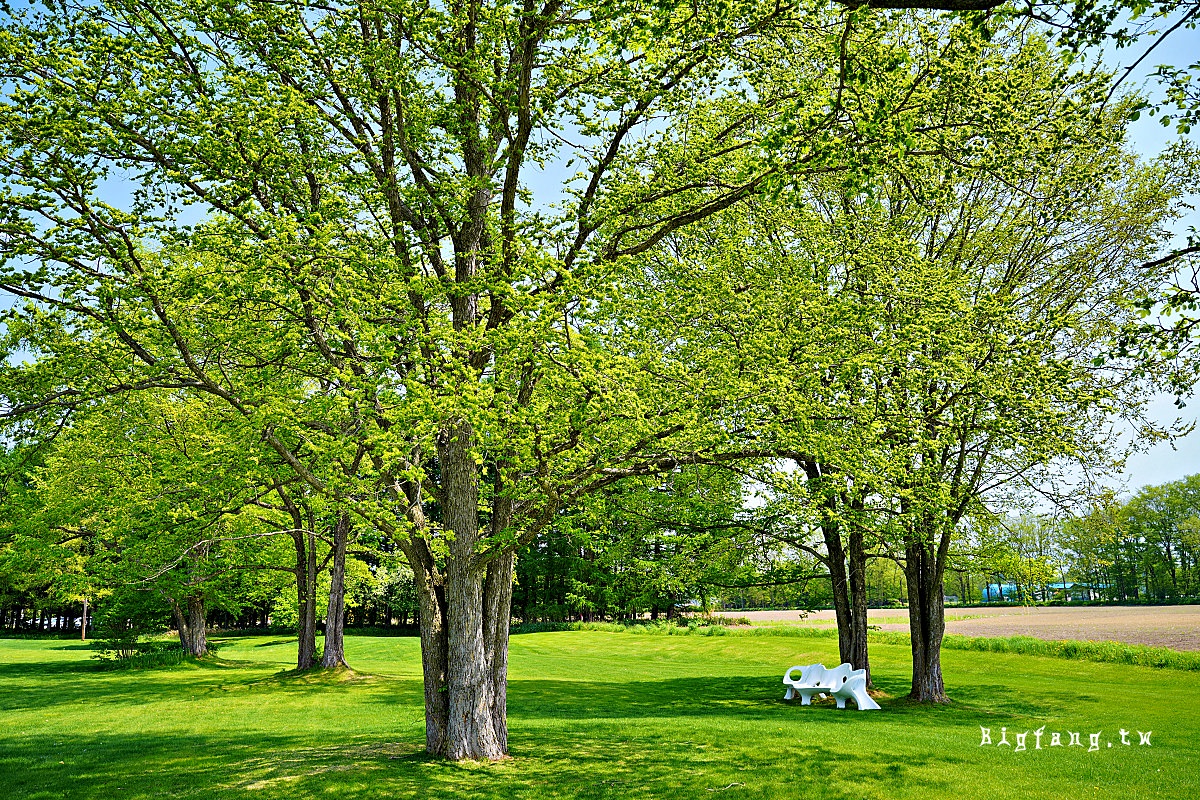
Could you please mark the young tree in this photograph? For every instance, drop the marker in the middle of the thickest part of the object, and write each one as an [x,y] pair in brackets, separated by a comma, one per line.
[926,338]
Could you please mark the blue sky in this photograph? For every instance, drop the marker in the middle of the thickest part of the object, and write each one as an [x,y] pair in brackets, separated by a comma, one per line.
[1165,461]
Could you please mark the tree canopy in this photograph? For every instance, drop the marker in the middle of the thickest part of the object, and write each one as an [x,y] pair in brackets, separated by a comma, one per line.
[392,255]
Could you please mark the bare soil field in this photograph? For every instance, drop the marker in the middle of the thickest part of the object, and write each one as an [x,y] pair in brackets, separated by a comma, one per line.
[1177,627]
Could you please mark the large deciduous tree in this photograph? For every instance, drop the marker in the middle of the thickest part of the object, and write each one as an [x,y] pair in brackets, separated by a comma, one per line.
[324,217]
[321,215]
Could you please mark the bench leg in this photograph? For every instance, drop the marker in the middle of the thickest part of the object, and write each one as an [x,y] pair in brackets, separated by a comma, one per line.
[864,701]
[791,693]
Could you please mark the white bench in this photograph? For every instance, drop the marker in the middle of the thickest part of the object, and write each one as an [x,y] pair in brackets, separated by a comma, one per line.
[842,682]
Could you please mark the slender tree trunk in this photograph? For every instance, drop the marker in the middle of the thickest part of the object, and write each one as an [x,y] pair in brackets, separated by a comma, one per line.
[335,617]
[926,619]
[497,607]
[431,599]
[305,570]
[197,625]
[181,625]
[83,621]
[857,564]
[306,591]
[840,585]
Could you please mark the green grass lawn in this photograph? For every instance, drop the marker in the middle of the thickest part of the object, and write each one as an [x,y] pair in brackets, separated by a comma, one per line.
[591,714]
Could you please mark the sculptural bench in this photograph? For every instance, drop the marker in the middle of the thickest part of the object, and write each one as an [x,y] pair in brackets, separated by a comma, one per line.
[842,682]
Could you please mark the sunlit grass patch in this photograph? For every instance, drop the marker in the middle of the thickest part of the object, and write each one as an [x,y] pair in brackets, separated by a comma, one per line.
[592,713]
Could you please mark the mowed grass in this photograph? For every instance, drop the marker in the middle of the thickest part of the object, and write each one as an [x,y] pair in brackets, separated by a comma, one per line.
[592,714]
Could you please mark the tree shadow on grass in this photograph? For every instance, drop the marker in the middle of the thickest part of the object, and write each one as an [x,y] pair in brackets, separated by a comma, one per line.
[75,646]
[648,738]
[993,699]
[751,697]
[587,763]
[47,684]
[36,669]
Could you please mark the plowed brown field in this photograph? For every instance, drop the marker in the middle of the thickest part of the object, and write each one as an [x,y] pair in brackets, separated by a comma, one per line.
[1177,627]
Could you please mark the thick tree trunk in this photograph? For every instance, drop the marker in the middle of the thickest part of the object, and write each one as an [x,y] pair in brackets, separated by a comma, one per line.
[197,625]
[847,575]
[471,731]
[464,604]
[335,617]
[474,709]
[926,619]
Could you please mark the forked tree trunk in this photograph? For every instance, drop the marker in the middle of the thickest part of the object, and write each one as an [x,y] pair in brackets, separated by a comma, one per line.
[335,617]
[466,696]
[926,618]
[847,576]
[465,605]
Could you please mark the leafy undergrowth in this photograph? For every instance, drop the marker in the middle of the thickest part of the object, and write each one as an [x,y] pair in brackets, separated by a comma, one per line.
[144,655]
[593,714]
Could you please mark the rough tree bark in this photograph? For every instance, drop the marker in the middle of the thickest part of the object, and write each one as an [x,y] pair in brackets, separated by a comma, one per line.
[197,625]
[334,654]
[192,625]
[475,713]
[465,601]
[924,569]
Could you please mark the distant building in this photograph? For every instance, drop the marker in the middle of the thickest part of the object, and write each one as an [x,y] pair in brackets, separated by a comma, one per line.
[1072,590]
[998,592]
